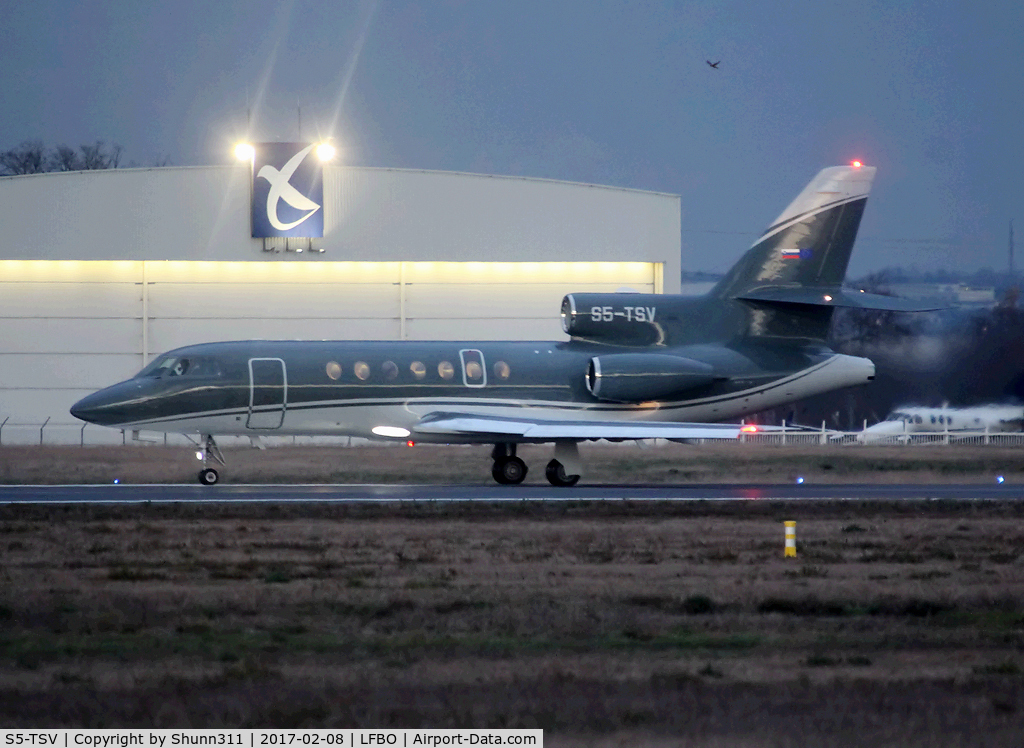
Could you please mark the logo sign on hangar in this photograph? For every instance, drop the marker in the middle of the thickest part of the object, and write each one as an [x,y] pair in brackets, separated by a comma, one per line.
[287,191]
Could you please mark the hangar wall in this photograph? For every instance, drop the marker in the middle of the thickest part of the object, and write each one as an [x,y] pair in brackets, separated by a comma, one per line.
[372,215]
[101,271]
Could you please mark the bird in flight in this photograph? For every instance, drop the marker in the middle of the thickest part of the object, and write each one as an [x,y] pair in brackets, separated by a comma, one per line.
[712,64]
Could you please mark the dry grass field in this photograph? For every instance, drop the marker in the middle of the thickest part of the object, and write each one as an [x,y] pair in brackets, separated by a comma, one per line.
[618,623]
[627,463]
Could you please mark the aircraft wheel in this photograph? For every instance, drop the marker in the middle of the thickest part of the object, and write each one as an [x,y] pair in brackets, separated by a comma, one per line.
[509,471]
[208,476]
[555,473]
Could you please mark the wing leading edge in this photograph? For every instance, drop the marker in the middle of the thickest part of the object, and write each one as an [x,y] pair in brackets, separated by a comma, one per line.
[530,429]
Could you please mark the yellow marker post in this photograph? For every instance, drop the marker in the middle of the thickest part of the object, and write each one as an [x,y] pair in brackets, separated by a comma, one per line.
[790,538]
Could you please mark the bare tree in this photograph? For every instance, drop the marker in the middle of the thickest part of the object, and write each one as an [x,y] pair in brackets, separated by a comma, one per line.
[32,157]
[96,157]
[65,158]
[27,158]
[856,329]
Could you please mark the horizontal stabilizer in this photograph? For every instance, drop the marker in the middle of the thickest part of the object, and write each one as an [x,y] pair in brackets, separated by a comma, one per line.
[836,297]
[528,429]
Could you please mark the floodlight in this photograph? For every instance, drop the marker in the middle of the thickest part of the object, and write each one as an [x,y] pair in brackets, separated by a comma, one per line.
[325,151]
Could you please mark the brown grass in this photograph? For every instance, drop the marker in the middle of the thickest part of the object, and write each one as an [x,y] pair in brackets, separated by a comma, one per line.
[624,463]
[605,624]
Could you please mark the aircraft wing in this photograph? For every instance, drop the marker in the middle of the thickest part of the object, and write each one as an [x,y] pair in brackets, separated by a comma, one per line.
[536,429]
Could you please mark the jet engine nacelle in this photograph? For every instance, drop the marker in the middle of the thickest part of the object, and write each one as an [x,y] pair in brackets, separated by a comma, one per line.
[639,377]
[619,318]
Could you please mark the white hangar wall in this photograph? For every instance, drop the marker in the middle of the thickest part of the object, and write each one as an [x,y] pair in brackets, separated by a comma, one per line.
[100,271]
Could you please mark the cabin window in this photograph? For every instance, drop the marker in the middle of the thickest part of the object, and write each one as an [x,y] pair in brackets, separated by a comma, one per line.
[933,419]
[333,369]
[445,370]
[501,370]
[474,372]
[917,419]
[361,370]
[418,369]
[389,369]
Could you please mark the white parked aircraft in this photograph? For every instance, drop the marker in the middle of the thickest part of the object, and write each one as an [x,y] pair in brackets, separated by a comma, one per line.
[921,420]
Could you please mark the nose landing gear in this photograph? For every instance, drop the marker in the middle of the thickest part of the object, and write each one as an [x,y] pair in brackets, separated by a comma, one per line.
[208,476]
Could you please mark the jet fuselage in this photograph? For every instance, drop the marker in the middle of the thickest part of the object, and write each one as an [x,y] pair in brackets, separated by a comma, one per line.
[349,388]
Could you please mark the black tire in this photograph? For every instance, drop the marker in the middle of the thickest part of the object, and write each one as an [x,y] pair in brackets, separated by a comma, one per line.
[208,476]
[555,473]
[510,471]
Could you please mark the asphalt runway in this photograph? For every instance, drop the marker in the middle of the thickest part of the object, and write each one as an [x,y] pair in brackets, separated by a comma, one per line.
[370,493]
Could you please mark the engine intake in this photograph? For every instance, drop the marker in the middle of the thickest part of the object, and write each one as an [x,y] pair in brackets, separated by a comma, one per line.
[640,377]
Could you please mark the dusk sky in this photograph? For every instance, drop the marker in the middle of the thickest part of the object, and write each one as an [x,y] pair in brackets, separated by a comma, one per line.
[616,93]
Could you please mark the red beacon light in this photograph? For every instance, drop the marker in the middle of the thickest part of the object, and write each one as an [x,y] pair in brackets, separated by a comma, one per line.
[856,164]
[750,428]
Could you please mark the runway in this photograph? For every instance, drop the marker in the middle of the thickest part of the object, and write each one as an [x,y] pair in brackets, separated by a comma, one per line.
[378,493]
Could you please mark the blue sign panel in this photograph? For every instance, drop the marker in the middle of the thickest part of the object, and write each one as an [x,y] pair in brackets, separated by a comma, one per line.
[287,191]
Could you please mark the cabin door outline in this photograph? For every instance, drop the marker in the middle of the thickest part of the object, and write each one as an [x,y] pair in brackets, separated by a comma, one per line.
[477,375]
[268,393]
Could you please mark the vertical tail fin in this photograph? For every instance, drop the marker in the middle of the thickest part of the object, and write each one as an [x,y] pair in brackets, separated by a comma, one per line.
[810,243]
[807,247]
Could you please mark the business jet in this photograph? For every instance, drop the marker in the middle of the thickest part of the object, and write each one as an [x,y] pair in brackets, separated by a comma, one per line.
[634,366]
[908,420]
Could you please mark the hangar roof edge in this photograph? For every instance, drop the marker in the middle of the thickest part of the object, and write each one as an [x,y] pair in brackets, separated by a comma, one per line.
[97,172]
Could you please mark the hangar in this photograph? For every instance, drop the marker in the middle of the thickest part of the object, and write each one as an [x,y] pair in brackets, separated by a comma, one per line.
[100,271]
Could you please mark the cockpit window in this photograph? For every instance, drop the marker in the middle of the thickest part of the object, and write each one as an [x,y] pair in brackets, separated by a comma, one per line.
[203,367]
[175,366]
[157,368]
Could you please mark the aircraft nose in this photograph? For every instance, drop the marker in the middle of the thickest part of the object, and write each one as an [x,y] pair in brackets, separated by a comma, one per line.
[106,407]
[89,408]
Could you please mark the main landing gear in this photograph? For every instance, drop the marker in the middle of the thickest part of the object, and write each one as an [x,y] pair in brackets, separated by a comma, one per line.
[555,473]
[508,469]
[563,471]
[209,450]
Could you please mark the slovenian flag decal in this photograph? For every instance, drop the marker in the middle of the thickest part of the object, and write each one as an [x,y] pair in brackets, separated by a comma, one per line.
[795,254]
